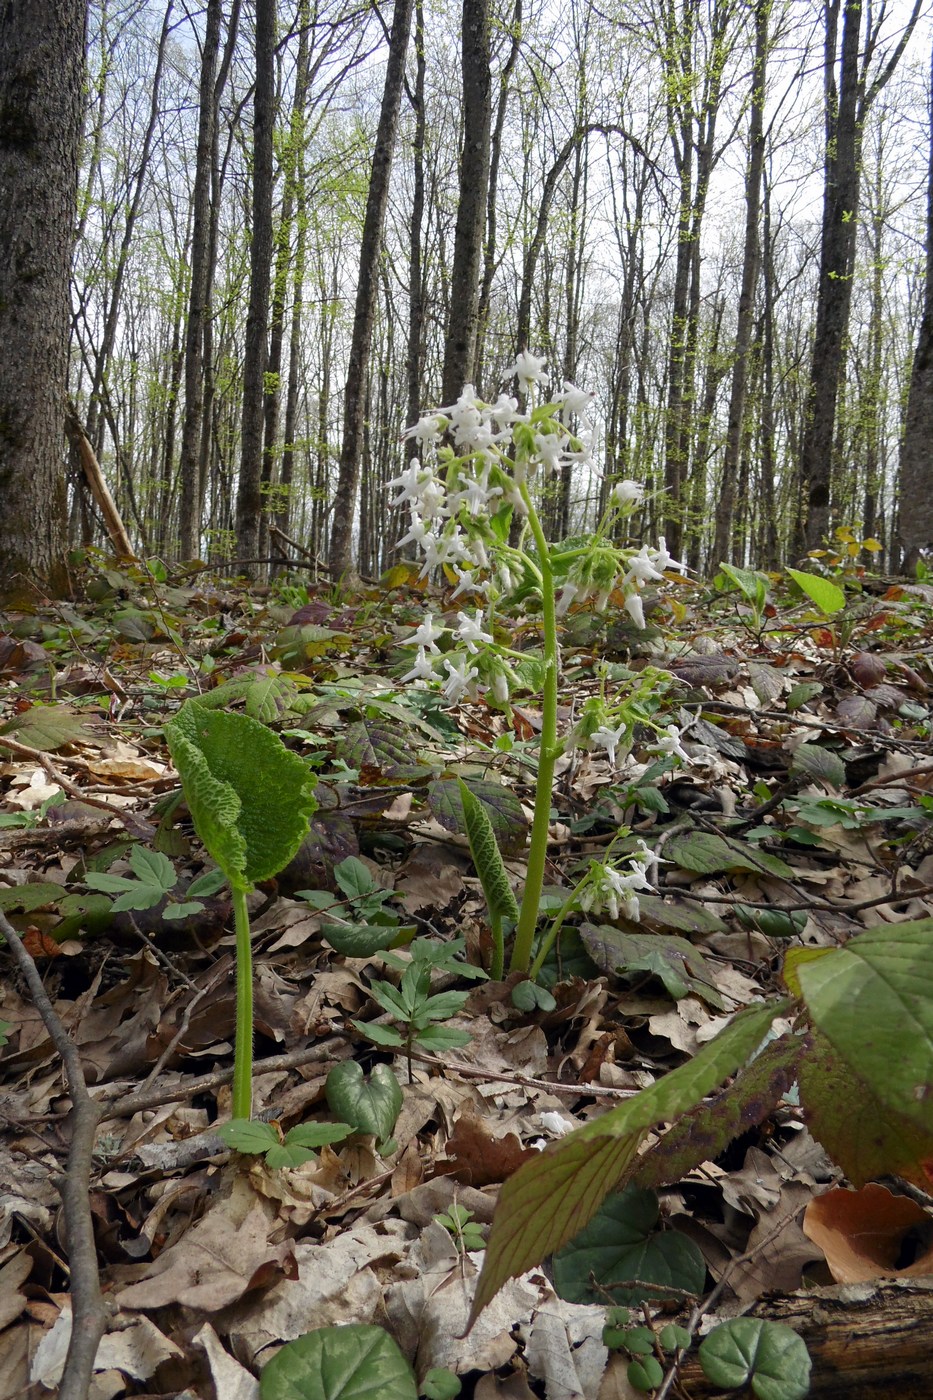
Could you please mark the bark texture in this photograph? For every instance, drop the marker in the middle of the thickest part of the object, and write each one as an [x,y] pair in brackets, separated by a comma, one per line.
[41,71]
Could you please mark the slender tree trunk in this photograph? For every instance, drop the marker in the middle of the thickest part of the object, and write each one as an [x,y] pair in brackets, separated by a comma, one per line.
[847,102]
[249,502]
[41,77]
[414,356]
[460,345]
[495,157]
[751,258]
[190,471]
[341,536]
[915,513]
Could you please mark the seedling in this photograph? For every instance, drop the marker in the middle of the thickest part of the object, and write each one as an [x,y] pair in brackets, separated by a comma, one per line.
[373,926]
[154,878]
[290,1150]
[250,799]
[467,1232]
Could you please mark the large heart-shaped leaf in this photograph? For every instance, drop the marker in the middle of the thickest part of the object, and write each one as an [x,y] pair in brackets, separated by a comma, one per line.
[623,1242]
[369,1106]
[339,1363]
[250,797]
[768,1355]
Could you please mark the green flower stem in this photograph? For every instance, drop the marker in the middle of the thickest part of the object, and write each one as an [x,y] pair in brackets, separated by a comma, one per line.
[243,1048]
[549,753]
[547,942]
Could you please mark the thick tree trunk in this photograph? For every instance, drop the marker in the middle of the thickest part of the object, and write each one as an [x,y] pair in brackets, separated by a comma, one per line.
[249,503]
[341,536]
[460,345]
[41,74]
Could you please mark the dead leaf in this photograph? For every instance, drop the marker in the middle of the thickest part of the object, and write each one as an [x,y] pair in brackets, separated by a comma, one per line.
[871,1233]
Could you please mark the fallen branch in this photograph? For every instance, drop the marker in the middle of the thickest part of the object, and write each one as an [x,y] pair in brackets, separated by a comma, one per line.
[88,1313]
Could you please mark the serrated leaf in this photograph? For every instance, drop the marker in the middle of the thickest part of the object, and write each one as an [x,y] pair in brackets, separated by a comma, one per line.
[819,763]
[187,910]
[708,853]
[502,807]
[827,596]
[371,1106]
[293,645]
[386,1036]
[153,868]
[801,693]
[353,1362]
[437,1038]
[769,1355]
[550,1199]
[704,1132]
[250,798]
[766,681]
[873,1002]
[314,1135]
[679,966]
[287,1155]
[46,727]
[622,1242]
[863,1135]
[248,1135]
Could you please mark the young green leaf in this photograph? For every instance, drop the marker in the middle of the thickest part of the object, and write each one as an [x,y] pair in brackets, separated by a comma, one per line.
[246,1135]
[768,1355]
[354,1362]
[497,888]
[827,596]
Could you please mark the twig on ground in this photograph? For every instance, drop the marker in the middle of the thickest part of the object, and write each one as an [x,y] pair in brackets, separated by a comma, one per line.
[88,1312]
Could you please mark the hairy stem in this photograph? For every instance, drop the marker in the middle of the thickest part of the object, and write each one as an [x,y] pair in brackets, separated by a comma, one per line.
[243,1050]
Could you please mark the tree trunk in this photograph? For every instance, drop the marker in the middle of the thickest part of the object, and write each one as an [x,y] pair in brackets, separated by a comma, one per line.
[249,503]
[341,536]
[847,103]
[190,508]
[916,467]
[751,257]
[460,344]
[41,76]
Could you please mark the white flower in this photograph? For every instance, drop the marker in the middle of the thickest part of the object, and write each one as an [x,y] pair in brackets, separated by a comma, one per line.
[460,680]
[610,888]
[664,560]
[504,411]
[411,483]
[470,631]
[635,609]
[433,499]
[416,535]
[555,1124]
[427,634]
[669,743]
[427,430]
[500,688]
[566,597]
[466,417]
[423,668]
[548,447]
[528,369]
[641,568]
[628,493]
[466,583]
[608,739]
[575,401]
[476,494]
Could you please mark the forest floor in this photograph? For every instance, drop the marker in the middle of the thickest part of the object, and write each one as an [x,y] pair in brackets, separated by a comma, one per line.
[803,817]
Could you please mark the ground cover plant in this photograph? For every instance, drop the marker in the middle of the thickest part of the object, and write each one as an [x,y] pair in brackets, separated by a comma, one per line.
[722,1014]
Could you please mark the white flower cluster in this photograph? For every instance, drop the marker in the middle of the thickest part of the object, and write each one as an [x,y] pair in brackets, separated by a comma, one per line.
[609,888]
[475,460]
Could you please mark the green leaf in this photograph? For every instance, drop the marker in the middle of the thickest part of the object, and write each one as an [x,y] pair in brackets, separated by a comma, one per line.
[247,1135]
[370,1106]
[502,807]
[354,878]
[707,853]
[873,1001]
[440,1384]
[211,882]
[386,1036]
[317,1134]
[769,1355]
[673,1337]
[622,1242]
[814,761]
[646,1374]
[29,897]
[827,596]
[753,586]
[250,798]
[46,727]
[487,858]
[801,693]
[354,1362]
[383,752]
[438,1039]
[548,1200]
[528,996]
[359,940]
[673,960]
